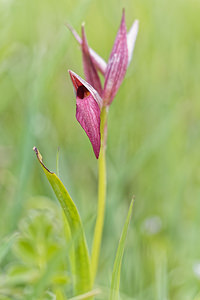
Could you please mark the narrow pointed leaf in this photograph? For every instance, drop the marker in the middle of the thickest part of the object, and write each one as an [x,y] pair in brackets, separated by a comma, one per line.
[88,110]
[98,61]
[90,71]
[117,64]
[131,39]
[82,262]
[114,292]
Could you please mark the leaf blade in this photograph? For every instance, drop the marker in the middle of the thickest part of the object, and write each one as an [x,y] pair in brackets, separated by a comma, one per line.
[82,260]
[114,292]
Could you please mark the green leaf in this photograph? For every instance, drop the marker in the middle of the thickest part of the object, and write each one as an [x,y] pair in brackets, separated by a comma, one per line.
[26,249]
[46,276]
[59,295]
[6,245]
[82,279]
[114,292]
[20,275]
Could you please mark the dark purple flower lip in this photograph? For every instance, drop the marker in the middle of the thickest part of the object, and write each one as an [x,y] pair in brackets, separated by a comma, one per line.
[84,88]
[82,92]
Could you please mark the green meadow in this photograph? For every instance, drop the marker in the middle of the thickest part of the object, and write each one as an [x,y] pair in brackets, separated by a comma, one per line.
[153,149]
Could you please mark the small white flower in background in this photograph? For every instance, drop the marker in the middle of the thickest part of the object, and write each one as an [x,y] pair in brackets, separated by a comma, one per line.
[196,269]
[152,225]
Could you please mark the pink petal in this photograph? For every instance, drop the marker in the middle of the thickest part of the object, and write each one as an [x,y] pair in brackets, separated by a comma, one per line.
[88,110]
[97,60]
[88,115]
[131,38]
[90,71]
[117,64]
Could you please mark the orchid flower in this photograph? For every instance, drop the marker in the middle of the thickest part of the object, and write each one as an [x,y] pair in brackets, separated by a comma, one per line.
[91,98]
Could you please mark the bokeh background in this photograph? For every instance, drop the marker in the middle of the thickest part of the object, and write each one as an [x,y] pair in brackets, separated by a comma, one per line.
[152,153]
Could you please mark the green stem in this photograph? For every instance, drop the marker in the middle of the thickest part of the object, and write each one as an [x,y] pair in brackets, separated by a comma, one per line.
[101,195]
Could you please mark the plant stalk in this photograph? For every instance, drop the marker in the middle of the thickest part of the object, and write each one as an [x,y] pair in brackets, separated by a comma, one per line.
[101,195]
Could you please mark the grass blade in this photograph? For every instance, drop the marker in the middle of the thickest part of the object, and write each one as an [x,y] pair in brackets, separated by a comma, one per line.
[82,262]
[114,292]
[87,295]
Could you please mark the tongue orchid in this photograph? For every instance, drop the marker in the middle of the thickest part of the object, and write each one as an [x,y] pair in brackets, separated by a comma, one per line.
[90,96]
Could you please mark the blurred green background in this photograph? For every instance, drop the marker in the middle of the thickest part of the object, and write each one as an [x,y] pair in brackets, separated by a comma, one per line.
[153,147]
